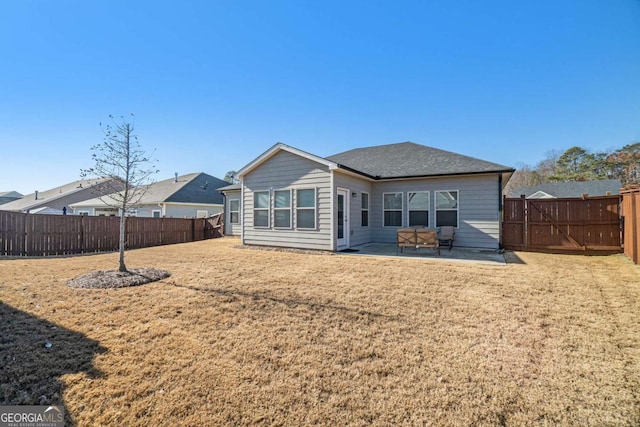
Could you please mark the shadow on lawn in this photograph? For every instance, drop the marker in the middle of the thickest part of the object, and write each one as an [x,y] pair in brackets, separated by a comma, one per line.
[34,354]
[510,257]
[291,303]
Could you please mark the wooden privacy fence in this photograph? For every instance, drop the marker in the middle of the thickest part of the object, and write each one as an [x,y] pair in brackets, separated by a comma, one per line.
[44,235]
[562,225]
[631,217]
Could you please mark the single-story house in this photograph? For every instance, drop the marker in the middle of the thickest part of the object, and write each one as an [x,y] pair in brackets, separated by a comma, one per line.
[194,195]
[290,198]
[9,196]
[559,190]
[60,198]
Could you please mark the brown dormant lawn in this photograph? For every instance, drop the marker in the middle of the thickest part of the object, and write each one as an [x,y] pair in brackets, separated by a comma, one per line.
[253,337]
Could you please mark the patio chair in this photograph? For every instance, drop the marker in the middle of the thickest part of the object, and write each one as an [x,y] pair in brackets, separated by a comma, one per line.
[447,235]
[405,238]
[427,238]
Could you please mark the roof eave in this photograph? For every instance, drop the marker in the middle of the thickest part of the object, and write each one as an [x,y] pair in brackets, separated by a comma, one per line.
[504,172]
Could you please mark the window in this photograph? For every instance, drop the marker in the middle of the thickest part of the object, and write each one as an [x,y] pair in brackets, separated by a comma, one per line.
[234,211]
[306,208]
[261,203]
[392,209]
[156,214]
[365,210]
[446,208]
[418,206]
[202,214]
[282,209]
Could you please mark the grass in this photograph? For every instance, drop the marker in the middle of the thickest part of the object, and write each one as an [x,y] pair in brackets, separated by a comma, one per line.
[249,337]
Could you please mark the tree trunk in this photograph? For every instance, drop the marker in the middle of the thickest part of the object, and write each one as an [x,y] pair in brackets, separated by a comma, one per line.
[123,267]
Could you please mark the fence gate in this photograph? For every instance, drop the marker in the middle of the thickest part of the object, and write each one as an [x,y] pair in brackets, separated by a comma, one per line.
[631,213]
[564,225]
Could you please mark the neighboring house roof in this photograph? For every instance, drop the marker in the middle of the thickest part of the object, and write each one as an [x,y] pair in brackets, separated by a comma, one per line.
[232,187]
[393,161]
[196,188]
[408,159]
[9,196]
[44,198]
[47,210]
[13,194]
[568,189]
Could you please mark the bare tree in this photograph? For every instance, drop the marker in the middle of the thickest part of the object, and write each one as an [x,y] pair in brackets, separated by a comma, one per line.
[231,177]
[524,176]
[126,168]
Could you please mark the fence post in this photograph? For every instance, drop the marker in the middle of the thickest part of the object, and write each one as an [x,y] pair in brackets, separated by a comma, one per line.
[634,225]
[25,251]
[81,234]
[525,217]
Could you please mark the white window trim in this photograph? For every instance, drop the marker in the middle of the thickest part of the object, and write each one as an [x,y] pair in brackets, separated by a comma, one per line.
[231,211]
[283,209]
[315,205]
[392,210]
[200,211]
[435,207]
[268,209]
[159,211]
[365,209]
[409,210]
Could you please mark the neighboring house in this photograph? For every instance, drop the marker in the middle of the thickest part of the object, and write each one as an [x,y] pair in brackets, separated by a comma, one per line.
[59,198]
[568,189]
[194,195]
[292,198]
[9,196]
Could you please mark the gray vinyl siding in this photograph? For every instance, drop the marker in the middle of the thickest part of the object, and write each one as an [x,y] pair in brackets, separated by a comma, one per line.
[281,172]
[185,211]
[358,234]
[232,229]
[478,208]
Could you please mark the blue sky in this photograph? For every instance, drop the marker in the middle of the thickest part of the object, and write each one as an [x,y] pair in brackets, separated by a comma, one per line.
[213,84]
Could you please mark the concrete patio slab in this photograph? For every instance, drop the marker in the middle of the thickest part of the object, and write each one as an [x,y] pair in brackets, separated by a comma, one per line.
[456,254]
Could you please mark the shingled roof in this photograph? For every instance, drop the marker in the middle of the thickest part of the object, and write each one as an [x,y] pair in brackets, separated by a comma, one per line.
[189,188]
[569,189]
[408,159]
[46,197]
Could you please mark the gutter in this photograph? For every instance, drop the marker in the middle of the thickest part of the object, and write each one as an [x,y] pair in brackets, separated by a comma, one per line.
[393,178]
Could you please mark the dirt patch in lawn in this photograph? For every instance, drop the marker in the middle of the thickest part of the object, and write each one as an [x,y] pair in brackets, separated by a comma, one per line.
[241,337]
[112,279]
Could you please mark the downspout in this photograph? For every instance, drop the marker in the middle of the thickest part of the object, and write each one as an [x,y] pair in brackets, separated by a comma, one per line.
[242,210]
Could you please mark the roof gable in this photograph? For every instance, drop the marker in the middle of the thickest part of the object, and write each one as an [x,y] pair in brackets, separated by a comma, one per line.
[408,159]
[283,147]
[541,195]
